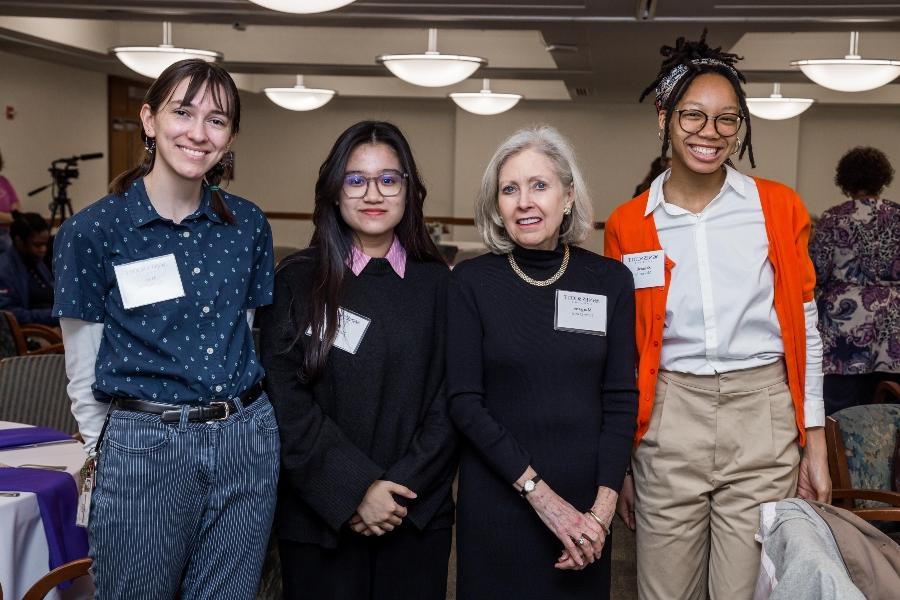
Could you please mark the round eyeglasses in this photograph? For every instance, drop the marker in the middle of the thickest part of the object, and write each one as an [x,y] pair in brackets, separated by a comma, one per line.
[389,183]
[692,120]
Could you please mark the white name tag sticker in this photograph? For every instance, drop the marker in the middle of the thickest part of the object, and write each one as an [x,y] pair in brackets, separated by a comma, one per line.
[351,330]
[150,280]
[580,312]
[648,268]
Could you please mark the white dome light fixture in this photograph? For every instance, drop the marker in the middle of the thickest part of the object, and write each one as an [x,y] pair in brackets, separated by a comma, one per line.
[853,73]
[299,97]
[151,61]
[302,7]
[431,69]
[485,102]
[776,107]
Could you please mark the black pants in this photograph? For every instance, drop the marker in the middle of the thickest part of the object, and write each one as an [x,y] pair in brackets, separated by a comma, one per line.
[844,391]
[405,564]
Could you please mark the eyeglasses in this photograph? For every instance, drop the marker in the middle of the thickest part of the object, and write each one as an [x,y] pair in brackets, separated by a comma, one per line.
[389,183]
[692,120]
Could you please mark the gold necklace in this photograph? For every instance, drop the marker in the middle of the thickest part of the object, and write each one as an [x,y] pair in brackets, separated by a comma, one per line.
[545,282]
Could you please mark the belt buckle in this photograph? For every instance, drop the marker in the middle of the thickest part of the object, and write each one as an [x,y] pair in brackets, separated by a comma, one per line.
[227,410]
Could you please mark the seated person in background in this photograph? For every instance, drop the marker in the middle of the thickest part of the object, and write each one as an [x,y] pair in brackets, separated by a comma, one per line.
[26,285]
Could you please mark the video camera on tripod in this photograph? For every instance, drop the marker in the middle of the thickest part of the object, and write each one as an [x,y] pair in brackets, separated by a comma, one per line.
[62,172]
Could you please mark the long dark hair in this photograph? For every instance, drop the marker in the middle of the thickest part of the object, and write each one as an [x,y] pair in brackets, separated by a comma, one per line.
[333,238]
[226,98]
[699,58]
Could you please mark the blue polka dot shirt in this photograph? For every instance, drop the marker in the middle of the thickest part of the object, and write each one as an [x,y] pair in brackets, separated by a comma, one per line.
[193,349]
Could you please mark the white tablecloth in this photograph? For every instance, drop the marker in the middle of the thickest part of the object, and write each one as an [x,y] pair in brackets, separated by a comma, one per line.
[24,556]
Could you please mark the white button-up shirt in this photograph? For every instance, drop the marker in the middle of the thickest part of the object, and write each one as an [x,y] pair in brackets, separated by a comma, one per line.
[720,310]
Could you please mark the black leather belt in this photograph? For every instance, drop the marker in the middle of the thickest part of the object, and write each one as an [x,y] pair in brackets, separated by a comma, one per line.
[171,413]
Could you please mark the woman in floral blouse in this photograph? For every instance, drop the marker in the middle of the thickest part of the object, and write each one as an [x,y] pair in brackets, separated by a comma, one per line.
[856,252]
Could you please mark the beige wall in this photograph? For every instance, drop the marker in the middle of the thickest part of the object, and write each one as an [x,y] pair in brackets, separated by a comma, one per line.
[60,112]
[829,131]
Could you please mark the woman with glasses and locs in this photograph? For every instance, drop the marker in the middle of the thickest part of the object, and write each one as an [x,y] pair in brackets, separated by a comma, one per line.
[730,360]
[354,351]
[156,286]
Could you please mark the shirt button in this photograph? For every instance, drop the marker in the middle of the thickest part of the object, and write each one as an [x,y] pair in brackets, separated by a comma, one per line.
[196,270]
[653,371]
[209,350]
[218,388]
[655,344]
[205,310]
[658,317]
[186,234]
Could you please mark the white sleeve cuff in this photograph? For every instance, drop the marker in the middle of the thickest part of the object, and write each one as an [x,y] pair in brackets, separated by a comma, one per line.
[813,404]
[82,342]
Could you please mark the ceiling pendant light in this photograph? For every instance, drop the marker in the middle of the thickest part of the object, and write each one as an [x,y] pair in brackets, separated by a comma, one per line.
[776,107]
[299,97]
[304,7]
[150,61]
[852,73]
[485,102]
[431,69]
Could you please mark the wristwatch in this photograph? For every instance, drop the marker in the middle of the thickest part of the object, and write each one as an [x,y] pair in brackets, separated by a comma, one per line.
[529,485]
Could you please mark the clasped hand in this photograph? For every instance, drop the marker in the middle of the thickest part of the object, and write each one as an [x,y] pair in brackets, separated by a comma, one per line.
[379,512]
[569,526]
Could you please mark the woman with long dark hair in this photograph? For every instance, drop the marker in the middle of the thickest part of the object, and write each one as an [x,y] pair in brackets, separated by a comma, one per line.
[26,284]
[156,285]
[729,357]
[354,350]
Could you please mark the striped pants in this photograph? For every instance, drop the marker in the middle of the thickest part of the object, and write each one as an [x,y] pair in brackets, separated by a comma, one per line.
[184,510]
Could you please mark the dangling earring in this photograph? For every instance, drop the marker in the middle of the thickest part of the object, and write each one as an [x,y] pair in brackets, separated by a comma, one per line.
[150,145]
[227,160]
[659,134]
[737,146]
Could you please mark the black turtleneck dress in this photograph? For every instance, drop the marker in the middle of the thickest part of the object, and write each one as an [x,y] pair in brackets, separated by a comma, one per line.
[522,393]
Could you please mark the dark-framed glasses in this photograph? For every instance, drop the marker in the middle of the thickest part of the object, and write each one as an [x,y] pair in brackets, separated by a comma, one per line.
[692,120]
[389,183]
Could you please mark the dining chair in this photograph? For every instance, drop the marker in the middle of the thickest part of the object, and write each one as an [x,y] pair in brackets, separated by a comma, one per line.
[860,443]
[18,340]
[61,574]
[33,391]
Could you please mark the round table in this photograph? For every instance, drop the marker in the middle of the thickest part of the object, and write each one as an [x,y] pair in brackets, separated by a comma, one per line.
[24,556]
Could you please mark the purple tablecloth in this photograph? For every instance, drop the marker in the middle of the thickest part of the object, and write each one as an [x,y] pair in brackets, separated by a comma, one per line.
[23,436]
[57,497]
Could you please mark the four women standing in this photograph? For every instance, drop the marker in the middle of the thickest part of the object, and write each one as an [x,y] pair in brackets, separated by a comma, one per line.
[156,288]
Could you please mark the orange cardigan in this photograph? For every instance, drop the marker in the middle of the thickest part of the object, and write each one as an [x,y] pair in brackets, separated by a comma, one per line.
[787,228]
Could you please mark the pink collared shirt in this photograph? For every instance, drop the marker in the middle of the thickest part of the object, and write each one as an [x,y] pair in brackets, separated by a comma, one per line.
[396,256]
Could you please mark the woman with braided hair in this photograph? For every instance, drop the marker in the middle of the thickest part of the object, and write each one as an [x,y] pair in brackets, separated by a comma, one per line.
[730,361]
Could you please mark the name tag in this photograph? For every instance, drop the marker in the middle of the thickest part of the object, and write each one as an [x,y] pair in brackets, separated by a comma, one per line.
[147,281]
[350,332]
[648,268]
[580,313]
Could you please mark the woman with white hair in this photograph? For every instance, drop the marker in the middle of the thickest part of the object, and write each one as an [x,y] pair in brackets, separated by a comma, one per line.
[540,377]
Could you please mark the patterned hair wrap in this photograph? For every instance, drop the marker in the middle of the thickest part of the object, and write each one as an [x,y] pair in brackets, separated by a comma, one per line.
[668,83]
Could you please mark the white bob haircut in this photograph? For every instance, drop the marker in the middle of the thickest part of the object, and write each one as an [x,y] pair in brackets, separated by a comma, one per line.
[552,144]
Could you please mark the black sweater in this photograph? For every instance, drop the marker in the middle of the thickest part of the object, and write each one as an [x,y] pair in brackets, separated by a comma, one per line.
[378,414]
[523,393]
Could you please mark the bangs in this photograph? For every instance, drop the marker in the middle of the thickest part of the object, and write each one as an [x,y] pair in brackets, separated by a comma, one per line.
[215,88]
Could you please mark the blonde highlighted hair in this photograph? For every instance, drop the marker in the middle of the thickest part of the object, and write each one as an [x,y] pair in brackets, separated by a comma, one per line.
[552,144]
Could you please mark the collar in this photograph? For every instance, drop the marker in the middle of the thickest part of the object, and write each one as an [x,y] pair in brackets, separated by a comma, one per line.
[142,212]
[396,257]
[733,179]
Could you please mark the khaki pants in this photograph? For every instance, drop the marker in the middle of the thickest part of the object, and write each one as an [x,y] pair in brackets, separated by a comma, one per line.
[717,447]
